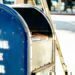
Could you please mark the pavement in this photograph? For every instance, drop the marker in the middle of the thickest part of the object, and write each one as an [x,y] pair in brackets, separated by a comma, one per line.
[61,12]
[65,30]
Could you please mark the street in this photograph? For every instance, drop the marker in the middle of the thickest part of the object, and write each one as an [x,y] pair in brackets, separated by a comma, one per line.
[65,30]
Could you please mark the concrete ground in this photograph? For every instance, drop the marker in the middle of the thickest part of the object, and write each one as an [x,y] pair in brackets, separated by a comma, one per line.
[65,30]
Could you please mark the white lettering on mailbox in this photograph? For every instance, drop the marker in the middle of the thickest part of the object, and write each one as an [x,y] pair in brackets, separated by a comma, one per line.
[2,69]
[1,56]
[4,44]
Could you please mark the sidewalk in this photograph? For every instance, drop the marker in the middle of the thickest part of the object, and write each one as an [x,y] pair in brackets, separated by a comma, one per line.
[65,30]
[63,12]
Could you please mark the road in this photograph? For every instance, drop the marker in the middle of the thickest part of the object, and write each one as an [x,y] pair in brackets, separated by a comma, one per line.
[65,30]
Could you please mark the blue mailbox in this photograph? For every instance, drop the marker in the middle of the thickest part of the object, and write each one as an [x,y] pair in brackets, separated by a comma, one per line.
[14,43]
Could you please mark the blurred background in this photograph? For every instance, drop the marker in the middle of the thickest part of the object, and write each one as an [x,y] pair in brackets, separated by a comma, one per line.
[55,6]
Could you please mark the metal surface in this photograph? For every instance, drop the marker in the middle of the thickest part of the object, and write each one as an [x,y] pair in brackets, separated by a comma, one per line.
[14,43]
[46,66]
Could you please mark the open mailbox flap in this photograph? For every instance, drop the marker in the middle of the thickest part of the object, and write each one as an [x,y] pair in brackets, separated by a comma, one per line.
[36,20]
[41,33]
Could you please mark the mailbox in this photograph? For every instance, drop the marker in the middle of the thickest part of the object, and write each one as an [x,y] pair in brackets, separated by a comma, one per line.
[14,43]
[42,39]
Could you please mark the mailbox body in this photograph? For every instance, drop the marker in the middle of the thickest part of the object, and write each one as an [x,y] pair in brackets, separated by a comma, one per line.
[14,42]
